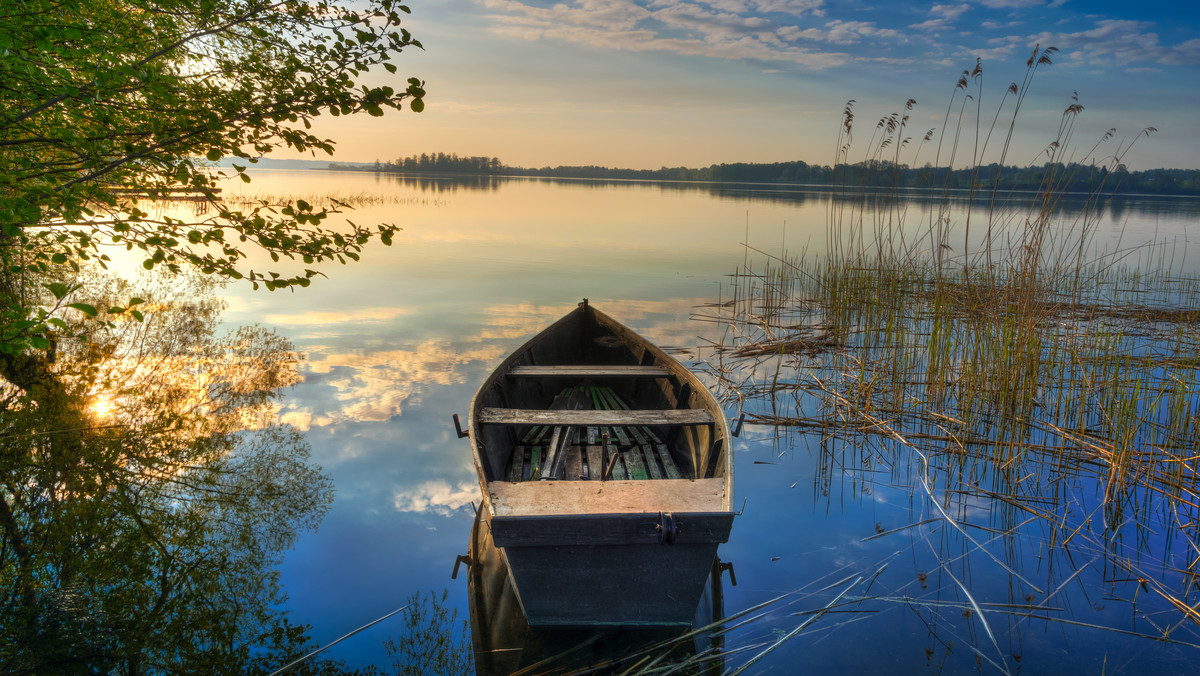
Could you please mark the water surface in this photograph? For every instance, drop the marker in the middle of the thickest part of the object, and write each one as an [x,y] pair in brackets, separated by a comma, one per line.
[397,343]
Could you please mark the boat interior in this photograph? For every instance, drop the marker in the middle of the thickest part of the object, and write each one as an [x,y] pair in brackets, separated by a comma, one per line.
[589,400]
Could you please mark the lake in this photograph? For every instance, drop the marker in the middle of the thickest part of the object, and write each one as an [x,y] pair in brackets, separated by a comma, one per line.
[399,342]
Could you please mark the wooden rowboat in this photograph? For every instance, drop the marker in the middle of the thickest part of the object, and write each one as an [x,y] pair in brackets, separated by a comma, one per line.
[606,473]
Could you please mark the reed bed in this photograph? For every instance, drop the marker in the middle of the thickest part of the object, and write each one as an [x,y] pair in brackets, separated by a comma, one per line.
[991,354]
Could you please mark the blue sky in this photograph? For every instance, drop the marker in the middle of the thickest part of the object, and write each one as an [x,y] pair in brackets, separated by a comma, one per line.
[649,83]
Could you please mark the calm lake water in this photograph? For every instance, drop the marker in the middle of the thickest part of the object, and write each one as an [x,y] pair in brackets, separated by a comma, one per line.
[399,342]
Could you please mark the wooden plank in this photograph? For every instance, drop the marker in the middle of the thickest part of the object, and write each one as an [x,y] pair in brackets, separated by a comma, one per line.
[595,462]
[535,464]
[622,438]
[618,465]
[650,433]
[574,464]
[651,459]
[634,464]
[638,437]
[530,498]
[516,464]
[521,416]
[588,371]
[668,463]
[611,400]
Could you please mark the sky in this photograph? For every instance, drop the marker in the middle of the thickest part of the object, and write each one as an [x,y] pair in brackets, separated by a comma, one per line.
[653,83]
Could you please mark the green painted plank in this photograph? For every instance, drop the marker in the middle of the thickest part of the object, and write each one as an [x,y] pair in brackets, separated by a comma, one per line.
[668,462]
[535,464]
[633,463]
[651,461]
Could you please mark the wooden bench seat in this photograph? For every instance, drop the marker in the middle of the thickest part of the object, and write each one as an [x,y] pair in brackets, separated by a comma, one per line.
[525,416]
[588,371]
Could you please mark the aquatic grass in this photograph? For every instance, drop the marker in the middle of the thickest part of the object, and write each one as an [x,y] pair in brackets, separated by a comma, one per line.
[988,350]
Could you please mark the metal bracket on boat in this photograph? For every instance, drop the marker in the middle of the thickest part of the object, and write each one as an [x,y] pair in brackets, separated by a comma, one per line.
[458,428]
[464,558]
[667,530]
[727,567]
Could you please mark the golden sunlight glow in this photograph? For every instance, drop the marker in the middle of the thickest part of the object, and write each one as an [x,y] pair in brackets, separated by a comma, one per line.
[102,407]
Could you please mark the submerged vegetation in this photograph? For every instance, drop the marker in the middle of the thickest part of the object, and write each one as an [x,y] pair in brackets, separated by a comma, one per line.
[1035,388]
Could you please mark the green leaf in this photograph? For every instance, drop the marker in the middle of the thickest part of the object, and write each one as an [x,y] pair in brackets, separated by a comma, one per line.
[417,105]
[213,155]
[86,309]
[59,289]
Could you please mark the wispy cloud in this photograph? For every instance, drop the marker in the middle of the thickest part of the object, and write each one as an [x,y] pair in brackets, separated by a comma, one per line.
[1011,4]
[840,32]
[1124,43]
[749,30]
[942,17]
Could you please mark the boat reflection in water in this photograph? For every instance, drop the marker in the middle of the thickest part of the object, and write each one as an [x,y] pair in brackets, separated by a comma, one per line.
[504,643]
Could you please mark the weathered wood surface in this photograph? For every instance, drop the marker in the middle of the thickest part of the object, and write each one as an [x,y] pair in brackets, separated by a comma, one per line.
[527,416]
[574,464]
[668,462]
[606,497]
[635,464]
[595,462]
[588,371]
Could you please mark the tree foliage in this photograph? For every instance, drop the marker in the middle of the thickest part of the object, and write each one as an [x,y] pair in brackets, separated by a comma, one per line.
[146,489]
[108,105]
[140,522]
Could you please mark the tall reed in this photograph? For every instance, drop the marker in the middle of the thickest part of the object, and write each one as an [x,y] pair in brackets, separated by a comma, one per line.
[992,336]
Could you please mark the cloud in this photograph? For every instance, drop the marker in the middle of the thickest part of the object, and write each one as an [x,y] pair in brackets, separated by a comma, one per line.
[1115,42]
[943,17]
[437,496]
[1010,4]
[376,386]
[840,32]
[948,11]
[742,30]
[358,316]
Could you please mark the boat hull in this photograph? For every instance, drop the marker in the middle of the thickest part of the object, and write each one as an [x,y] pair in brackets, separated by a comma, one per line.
[604,551]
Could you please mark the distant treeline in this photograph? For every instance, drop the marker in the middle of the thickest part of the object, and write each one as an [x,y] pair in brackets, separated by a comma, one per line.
[1069,178]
